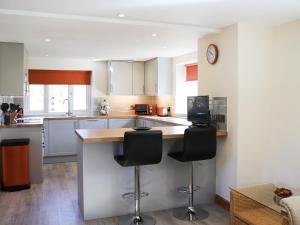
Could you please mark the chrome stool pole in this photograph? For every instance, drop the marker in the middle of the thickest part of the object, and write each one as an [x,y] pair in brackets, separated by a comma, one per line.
[137,219]
[191,212]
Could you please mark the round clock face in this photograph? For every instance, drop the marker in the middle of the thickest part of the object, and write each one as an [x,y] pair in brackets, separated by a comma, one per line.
[212,54]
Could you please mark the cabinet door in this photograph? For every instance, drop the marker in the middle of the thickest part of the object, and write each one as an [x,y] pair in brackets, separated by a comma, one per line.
[138,80]
[164,76]
[121,123]
[93,124]
[151,77]
[120,78]
[12,69]
[62,137]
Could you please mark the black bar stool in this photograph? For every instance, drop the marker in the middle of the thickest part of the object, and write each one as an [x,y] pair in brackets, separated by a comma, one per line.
[199,144]
[139,148]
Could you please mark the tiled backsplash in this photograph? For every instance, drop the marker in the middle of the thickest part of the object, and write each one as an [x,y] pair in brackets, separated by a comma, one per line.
[122,104]
[11,99]
[218,111]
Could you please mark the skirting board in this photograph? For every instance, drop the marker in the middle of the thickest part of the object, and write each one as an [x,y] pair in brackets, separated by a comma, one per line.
[222,202]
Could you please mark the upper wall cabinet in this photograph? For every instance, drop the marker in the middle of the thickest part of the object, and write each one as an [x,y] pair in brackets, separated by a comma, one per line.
[158,77]
[12,69]
[126,78]
[120,78]
[138,81]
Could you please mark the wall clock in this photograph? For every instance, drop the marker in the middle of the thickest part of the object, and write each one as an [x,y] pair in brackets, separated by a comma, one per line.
[212,54]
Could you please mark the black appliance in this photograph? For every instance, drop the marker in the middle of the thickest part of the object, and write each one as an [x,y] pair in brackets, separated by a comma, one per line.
[198,110]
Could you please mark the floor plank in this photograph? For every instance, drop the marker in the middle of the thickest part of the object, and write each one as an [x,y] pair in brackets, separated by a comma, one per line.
[55,203]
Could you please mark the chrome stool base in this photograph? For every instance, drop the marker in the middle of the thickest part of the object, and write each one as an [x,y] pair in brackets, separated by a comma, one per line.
[130,220]
[190,213]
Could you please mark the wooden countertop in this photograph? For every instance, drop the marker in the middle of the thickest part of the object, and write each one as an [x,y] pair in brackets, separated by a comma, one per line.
[117,134]
[22,125]
[112,116]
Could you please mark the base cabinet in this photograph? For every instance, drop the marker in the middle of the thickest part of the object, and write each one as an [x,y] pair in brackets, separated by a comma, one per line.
[93,124]
[60,137]
[121,123]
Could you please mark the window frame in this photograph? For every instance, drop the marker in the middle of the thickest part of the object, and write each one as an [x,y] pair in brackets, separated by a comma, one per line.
[46,102]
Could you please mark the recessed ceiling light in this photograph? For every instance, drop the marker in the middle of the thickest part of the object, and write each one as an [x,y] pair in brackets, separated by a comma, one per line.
[121,15]
[46,55]
[165,47]
[154,35]
[47,39]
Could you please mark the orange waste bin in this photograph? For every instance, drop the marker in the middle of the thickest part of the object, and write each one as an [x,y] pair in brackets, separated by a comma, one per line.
[15,164]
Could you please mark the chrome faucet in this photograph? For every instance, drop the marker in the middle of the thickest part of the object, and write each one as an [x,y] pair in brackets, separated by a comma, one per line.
[69,113]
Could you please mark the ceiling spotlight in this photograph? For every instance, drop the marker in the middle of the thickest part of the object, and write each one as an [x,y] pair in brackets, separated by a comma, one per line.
[154,35]
[47,39]
[121,15]
[46,55]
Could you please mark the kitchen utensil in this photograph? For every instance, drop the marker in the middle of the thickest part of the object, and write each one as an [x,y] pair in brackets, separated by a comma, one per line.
[12,107]
[7,118]
[4,107]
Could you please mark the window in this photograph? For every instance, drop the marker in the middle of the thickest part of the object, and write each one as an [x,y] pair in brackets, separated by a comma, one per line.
[79,98]
[186,85]
[51,99]
[57,95]
[36,98]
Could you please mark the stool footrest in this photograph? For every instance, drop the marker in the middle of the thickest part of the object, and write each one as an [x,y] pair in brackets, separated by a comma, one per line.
[131,195]
[185,189]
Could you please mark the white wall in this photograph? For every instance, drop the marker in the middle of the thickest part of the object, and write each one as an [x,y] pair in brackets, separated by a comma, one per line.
[221,79]
[254,86]
[283,161]
[258,70]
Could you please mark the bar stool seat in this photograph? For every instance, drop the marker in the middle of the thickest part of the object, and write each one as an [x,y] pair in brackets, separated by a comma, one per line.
[139,148]
[199,144]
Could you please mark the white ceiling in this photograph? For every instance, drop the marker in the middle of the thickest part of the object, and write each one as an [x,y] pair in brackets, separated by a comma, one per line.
[92,28]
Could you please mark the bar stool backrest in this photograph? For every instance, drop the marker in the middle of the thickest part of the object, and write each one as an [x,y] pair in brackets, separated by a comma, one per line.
[199,143]
[142,147]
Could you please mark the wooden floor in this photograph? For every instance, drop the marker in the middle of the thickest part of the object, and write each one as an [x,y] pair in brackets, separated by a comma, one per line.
[55,203]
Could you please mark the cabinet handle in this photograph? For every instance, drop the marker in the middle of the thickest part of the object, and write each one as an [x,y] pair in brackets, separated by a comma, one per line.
[144,89]
[92,120]
[111,88]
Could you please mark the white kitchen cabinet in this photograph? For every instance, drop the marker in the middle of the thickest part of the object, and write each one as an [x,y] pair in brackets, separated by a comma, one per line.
[158,77]
[121,123]
[12,69]
[61,138]
[140,122]
[93,124]
[150,123]
[120,78]
[138,78]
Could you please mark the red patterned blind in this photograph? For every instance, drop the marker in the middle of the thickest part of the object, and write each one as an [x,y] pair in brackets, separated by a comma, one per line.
[191,72]
[59,77]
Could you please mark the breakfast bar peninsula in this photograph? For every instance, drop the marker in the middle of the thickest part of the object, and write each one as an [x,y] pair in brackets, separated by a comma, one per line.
[102,182]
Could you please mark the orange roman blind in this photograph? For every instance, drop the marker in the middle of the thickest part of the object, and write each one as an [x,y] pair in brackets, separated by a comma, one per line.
[191,72]
[59,77]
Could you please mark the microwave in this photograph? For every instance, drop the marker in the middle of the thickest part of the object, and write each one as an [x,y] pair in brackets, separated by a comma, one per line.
[145,109]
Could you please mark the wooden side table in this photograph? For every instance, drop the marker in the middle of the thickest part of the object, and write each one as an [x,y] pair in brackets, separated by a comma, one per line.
[255,206]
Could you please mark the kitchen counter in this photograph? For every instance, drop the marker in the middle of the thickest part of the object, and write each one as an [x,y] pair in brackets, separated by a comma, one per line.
[112,116]
[97,170]
[117,134]
[29,122]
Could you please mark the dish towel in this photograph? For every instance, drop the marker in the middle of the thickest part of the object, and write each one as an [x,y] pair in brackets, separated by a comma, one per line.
[292,205]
